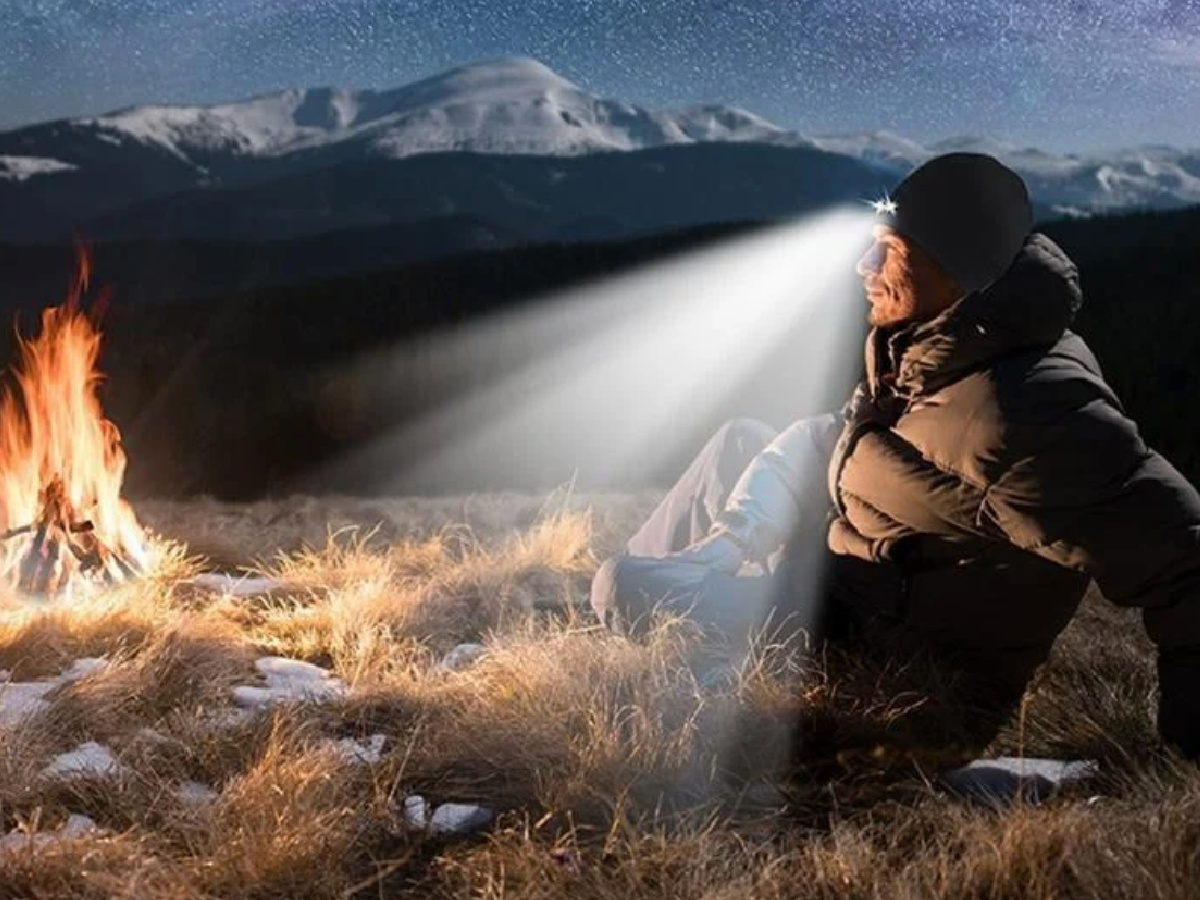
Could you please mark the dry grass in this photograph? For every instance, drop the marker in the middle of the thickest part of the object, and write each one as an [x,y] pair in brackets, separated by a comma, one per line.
[615,775]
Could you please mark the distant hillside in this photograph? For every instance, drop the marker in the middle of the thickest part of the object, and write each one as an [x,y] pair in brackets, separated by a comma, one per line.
[150,271]
[606,195]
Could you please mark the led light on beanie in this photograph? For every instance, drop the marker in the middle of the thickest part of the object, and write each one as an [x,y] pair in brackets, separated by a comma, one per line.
[968,211]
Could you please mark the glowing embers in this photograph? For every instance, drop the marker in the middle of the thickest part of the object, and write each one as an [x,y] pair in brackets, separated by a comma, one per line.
[61,462]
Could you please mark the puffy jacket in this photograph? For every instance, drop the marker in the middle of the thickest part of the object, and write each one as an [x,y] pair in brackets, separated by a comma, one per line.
[985,460]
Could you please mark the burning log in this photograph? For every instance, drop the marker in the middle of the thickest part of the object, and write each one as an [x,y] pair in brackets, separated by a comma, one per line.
[44,568]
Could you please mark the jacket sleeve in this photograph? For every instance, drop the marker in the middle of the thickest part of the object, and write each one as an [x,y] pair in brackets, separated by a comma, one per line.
[784,484]
[1083,490]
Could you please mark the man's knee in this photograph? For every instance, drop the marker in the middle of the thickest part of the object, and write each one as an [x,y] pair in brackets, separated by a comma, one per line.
[605,592]
[628,590]
[743,436]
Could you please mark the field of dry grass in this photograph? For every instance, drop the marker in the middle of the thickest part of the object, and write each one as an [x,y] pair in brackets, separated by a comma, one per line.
[613,773]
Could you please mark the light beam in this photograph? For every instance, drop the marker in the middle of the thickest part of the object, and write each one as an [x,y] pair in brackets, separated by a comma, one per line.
[616,377]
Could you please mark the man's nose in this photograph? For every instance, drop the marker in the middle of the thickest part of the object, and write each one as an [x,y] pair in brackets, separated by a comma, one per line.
[871,262]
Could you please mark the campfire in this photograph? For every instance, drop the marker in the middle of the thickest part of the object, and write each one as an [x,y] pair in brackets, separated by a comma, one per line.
[62,520]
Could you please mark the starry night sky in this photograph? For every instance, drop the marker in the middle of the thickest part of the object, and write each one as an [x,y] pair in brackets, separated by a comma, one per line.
[1058,74]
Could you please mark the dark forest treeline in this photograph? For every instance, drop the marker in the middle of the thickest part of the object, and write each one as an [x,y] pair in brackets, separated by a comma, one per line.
[247,394]
[1141,317]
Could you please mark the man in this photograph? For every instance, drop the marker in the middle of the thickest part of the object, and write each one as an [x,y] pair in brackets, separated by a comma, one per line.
[980,477]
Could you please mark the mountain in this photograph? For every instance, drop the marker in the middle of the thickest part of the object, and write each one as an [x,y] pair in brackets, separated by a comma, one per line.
[879,147]
[510,105]
[146,167]
[1147,177]
[67,172]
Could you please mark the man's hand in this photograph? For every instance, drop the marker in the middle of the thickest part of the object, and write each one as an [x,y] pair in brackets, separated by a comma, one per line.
[883,410]
[717,551]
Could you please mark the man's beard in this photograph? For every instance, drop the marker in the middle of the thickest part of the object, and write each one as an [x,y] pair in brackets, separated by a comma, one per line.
[890,307]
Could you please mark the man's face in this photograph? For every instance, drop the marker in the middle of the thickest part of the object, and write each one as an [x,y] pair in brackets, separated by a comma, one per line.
[903,284]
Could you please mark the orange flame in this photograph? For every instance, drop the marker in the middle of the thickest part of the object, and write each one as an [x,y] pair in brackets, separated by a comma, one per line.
[60,458]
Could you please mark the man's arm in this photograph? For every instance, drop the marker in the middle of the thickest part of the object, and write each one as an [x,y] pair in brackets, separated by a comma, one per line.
[1084,491]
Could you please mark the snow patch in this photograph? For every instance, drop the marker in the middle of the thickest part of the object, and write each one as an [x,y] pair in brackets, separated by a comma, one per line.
[150,736]
[21,699]
[447,820]
[195,793]
[459,819]
[82,668]
[87,760]
[367,752]
[18,700]
[22,168]
[416,812]
[289,680]
[1006,778]
[76,826]
[462,657]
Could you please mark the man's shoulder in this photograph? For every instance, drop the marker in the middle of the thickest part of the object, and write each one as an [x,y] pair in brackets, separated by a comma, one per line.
[1065,372]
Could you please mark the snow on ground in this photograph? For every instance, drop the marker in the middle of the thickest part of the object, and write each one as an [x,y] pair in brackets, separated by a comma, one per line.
[195,793]
[21,699]
[289,680]
[82,668]
[459,819]
[22,168]
[18,700]
[87,760]
[1006,778]
[76,826]
[462,657]
[286,680]
[369,751]
[447,820]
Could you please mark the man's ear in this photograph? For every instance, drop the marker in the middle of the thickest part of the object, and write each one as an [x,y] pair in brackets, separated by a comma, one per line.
[941,287]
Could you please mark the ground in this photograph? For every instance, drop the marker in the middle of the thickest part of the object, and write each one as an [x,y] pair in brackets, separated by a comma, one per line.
[614,770]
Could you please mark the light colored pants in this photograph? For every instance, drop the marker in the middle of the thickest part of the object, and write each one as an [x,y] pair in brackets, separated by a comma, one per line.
[628,589]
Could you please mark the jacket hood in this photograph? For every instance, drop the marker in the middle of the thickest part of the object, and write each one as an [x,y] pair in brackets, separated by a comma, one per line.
[1032,304]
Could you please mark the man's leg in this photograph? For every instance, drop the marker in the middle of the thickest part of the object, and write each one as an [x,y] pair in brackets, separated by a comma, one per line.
[630,588]
[688,510]
[628,591]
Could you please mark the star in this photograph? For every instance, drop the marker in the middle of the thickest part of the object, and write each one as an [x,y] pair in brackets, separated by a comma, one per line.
[1059,75]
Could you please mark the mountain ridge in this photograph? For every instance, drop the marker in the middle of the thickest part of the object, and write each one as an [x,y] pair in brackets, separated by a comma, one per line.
[60,176]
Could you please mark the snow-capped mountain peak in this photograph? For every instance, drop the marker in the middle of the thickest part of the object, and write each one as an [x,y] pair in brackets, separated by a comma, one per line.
[880,147]
[1152,176]
[505,78]
[509,105]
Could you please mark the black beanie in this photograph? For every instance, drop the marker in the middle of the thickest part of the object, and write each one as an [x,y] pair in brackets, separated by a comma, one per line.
[968,211]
